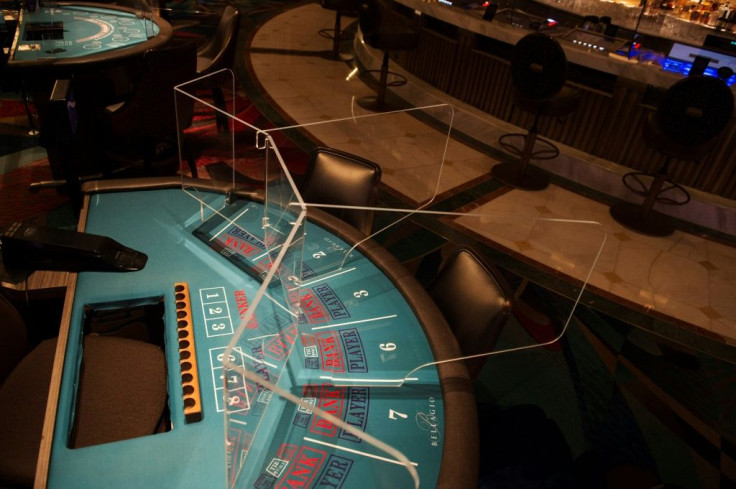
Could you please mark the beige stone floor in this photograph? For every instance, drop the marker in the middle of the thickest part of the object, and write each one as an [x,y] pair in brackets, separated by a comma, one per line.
[683,276]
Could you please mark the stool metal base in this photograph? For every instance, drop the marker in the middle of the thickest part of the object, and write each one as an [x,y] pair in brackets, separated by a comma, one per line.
[513,175]
[650,223]
[374,104]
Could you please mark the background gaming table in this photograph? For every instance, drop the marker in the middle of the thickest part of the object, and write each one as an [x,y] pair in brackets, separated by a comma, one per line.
[69,36]
[98,43]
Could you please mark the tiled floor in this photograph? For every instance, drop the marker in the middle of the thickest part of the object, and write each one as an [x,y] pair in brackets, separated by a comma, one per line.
[685,279]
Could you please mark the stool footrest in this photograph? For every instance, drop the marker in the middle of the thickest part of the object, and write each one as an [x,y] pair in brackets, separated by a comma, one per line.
[399,81]
[547,151]
[329,33]
[635,181]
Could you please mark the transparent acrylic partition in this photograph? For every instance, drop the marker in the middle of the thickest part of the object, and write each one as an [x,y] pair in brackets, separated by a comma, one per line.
[232,152]
[330,374]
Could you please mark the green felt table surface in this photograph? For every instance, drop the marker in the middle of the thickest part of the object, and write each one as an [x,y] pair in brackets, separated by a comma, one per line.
[346,323]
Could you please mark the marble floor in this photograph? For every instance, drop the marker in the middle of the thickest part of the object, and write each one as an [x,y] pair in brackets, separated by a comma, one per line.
[686,280]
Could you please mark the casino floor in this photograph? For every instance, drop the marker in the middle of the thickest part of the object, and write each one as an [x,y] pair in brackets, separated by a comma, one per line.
[641,389]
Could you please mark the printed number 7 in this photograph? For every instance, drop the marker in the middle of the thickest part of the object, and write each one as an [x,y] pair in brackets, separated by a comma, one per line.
[392,414]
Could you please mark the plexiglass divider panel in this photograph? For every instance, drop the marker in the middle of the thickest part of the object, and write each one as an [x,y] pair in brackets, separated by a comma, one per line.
[232,146]
[329,333]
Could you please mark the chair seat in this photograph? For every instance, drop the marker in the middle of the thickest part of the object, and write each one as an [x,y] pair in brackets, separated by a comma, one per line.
[388,30]
[123,395]
[123,391]
[21,422]
[566,101]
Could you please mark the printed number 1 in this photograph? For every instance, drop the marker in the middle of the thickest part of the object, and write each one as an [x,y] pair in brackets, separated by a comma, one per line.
[392,414]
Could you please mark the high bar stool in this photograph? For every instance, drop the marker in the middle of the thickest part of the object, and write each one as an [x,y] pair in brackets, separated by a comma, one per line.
[538,72]
[689,117]
[388,30]
[341,7]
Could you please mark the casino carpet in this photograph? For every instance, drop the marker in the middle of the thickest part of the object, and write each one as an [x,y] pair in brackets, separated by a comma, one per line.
[609,406]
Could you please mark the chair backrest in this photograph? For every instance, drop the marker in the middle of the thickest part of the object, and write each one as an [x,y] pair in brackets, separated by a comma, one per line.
[476,302]
[218,52]
[695,109]
[383,27]
[151,113]
[538,66]
[336,177]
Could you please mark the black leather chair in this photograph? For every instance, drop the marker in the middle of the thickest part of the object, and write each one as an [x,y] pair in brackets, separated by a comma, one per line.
[539,73]
[112,369]
[142,132]
[476,302]
[218,53]
[689,117]
[341,7]
[340,178]
[388,30]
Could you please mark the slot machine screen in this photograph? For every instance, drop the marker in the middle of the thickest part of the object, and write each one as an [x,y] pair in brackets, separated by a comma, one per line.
[683,59]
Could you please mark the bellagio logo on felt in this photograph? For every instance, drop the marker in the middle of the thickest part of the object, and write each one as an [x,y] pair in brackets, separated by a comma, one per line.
[428,421]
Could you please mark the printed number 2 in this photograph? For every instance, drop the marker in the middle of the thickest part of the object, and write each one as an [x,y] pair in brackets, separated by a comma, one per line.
[392,414]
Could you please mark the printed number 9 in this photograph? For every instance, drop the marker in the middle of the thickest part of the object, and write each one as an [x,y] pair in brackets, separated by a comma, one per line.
[387,346]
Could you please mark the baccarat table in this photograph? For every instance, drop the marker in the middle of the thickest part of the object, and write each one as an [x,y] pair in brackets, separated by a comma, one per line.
[352,351]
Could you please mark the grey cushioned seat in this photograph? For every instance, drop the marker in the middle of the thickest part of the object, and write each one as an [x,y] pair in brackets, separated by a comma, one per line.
[123,394]
[22,407]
